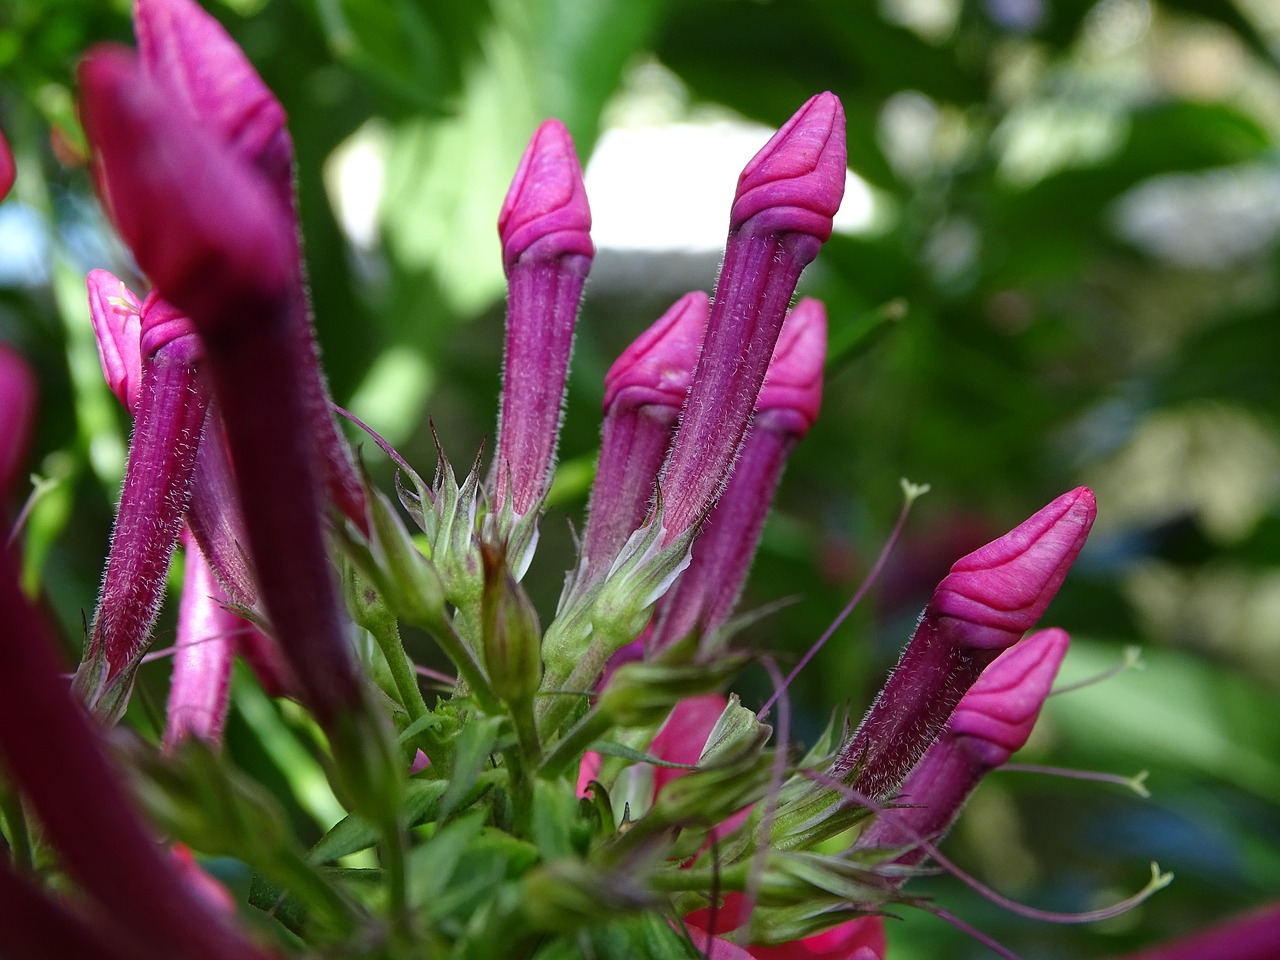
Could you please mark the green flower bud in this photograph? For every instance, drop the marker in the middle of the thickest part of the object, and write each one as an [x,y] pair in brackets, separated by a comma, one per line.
[510,634]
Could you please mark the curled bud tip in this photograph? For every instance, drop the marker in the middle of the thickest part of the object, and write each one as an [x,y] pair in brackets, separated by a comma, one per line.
[793,386]
[999,591]
[998,712]
[657,367]
[189,52]
[223,243]
[162,323]
[796,182]
[117,325]
[545,215]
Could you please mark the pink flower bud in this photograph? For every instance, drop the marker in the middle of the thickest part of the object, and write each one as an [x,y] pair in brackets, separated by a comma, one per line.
[189,53]
[547,250]
[206,641]
[117,325]
[18,393]
[8,169]
[995,717]
[991,722]
[643,393]
[990,598]
[795,184]
[781,216]
[706,592]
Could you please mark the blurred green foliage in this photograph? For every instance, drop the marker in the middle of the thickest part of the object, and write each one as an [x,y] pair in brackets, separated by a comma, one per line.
[1070,277]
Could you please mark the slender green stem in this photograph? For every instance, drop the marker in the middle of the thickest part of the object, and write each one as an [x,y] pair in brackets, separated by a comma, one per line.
[526,733]
[733,877]
[395,870]
[306,883]
[575,742]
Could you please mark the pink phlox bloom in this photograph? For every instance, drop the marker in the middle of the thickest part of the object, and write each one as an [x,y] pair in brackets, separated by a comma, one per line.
[859,939]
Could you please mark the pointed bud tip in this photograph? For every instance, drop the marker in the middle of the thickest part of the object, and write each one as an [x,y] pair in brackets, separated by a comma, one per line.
[998,712]
[796,182]
[792,391]
[657,367]
[218,249]
[545,215]
[998,592]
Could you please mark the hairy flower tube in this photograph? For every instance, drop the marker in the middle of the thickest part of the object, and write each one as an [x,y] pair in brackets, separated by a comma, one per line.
[545,228]
[781,216]
[991,722]
[984,605]
[170,411]
[644,392]
[225,256]
[705,594]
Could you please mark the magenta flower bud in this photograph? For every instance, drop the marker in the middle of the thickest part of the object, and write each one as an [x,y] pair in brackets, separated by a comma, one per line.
[643,393]
[51,751]
[546,250]
[171,408]
[117,325]
[148,154]
[207,639]
[223,254]
[707,591]
[991,722]
[782,214]
[8,169]
[189,54]
[990,598]
[18,392]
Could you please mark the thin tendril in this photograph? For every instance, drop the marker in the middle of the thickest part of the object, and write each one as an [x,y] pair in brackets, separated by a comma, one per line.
[435,675]
[1132,661]
[987,941]
[386,447]
[755,875]
[1137,783]
[173,650]
[1158,881]
[911,492]
[40,486]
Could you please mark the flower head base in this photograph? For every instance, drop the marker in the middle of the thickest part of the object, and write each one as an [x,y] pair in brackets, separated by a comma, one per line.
[547,251]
